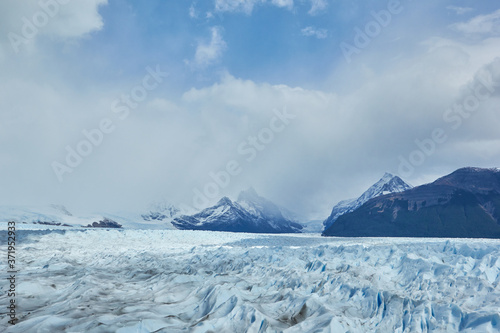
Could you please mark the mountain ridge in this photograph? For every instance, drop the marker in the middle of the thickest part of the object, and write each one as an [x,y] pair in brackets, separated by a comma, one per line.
[464,203]
[250,213]
[385,185]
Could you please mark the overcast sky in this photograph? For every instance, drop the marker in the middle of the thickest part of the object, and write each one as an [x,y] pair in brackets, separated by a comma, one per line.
[113,104]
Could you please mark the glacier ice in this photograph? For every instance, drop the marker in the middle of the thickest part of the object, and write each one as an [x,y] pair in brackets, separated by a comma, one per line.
[198,281]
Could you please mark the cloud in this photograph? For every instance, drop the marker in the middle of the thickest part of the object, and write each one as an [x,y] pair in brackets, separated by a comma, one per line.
[348,130]
[482,24]
[283,3]
[208,53]
[163,105]
[361,131]
[66,19]
[246,6]
[460,10]
[317,7]
[192,12]
[314,32]
[337,144]
[23,22]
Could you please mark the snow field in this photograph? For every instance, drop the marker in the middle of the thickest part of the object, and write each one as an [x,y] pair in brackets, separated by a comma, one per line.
[195,281]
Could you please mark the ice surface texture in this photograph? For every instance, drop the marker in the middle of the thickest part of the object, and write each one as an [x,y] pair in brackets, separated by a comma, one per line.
[195,281]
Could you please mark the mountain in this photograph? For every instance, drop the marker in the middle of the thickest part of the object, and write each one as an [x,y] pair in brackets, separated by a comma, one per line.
[158,216]
[250,213]
[465,203]
[313,226]
[387,184]
[47,215]
[161,211]
[105,223]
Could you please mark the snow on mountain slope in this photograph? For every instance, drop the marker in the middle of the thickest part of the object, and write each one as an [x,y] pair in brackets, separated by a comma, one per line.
[161,211]
[135,220]
[193,281]
[313,227]
[387,184]
[261,207]
[158,215]
[250,213]
[53,216]
[465,203]
[45,214]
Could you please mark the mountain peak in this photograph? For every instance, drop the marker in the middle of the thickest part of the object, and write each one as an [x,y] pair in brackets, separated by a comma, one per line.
[62,209]
[387,177]
[465,203]
[224,201]
[251,213]
[472,179]
[476,169]
[248,195]
[385,185]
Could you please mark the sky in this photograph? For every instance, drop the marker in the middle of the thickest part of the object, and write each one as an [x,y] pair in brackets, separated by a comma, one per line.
[110,105]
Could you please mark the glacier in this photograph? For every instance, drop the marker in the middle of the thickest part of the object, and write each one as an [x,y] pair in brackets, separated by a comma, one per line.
[201,281]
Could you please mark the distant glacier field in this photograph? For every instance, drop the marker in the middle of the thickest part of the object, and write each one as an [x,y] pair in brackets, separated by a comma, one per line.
[198,281]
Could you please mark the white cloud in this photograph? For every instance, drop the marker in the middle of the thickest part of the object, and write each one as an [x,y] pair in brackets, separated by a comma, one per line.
[72,19]
[336,146]
[377,121]
[208,53]
[342,139]
[481,24]
[283,3]
[314,32]
[317,6]
[23,21]
[78,18]
[246,6]
[192,12]
[163,105]
[460,10]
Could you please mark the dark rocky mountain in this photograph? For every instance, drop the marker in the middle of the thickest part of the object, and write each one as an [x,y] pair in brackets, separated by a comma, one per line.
[251,213]
[105,223]
[465,203]
[58,224]
[387,184]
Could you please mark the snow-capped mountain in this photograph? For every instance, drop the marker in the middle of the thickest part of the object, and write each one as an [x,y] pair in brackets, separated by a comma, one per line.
[161,211]
[259,206]
[158,216]
[387,184]
[250,213]
[465,203]
[55,214]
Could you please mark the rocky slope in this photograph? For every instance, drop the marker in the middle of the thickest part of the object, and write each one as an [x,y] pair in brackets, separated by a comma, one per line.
[465,203]
[250,213]
[387,184]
